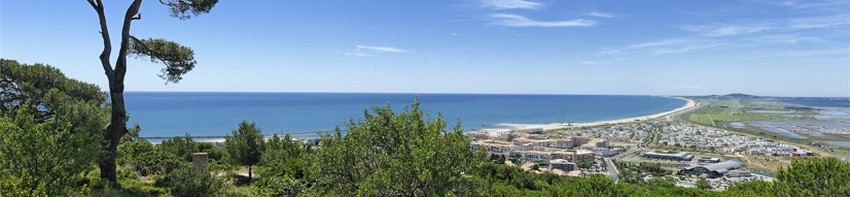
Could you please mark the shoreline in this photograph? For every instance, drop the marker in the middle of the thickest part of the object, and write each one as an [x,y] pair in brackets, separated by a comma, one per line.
[504,127]
[552,126]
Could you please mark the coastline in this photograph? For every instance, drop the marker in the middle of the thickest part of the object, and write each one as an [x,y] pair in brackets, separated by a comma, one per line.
[504,127]
[552,126]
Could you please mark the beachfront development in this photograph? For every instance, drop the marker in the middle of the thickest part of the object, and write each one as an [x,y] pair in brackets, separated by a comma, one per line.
[677,147]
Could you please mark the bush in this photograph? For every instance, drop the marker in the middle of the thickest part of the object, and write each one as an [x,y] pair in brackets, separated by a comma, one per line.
[183,147]
[278,186]
[132,149]
[187,181]
[216,152]
[23,185]
[154,162]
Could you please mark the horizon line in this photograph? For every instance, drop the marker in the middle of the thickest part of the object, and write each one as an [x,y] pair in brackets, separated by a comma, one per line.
[464,93]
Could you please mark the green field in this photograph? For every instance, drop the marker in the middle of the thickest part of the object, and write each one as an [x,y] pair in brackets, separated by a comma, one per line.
[715,111]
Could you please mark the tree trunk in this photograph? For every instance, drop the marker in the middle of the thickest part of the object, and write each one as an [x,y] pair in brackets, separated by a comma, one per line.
[116,129]
[118,125]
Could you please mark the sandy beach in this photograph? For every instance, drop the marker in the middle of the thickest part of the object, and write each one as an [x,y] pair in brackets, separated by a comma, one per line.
[551,126]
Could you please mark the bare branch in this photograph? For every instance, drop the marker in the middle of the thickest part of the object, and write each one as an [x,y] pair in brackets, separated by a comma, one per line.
[164,3]
[93,4]
[121,63]
[104,33]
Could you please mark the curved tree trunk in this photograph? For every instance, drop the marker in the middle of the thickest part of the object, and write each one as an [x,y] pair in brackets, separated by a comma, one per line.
[116,129]
[118,125]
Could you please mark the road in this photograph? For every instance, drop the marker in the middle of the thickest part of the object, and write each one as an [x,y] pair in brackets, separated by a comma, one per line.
[613,172]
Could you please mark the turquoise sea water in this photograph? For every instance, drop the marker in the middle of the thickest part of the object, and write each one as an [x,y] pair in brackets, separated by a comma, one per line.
[216,114]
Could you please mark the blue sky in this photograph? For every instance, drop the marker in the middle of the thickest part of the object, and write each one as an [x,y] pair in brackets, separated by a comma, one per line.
[781,48]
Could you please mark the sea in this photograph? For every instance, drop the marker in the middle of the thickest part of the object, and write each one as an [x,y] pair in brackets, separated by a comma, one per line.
[165,114]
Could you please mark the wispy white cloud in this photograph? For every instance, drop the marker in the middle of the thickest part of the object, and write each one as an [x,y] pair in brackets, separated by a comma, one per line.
[663,47]
[601,14]
[368,51]
[686,48]
[774,25]
[510,4]
[723,30]
[819,22]
[513,20]
[786,39]
[592,62]
[808,4]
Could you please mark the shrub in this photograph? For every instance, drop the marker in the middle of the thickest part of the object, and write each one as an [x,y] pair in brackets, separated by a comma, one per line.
[278,186]
[187,181]
[155,162]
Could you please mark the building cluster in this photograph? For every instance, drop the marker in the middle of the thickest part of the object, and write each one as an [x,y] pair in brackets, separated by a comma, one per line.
[536,147]
[634,132]
[698,137]
[711,139]
[765,147]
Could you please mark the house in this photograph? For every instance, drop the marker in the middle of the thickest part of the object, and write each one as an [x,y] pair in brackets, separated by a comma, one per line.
[562,164]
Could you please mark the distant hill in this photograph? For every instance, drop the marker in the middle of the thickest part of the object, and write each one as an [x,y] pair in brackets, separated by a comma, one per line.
[741,96]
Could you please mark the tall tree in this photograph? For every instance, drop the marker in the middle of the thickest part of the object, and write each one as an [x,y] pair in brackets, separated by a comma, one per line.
[246,145]
[178,61]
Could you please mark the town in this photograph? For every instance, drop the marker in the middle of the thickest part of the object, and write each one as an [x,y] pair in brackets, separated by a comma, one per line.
[684,152]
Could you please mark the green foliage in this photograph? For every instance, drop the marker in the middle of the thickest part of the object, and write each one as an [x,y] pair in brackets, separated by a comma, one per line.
[245,146]
[500,159]
[278,186]
[187,181]
[155,162]
[182,8]
[283,168]
[585,164]
[21,185]
[132,149]
[182,147]
[703,184]
[43,86]
[136,187]
[178,59]
[130,184]
[389,154]
[216,152]
[814,177]
[282,157]
[633,173]
[53,152]
[50,125]
[144,158]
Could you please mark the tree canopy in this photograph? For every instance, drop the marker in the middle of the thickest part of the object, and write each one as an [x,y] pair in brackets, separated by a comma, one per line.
[245,146]
[42,86]
[394,154]
[50,126]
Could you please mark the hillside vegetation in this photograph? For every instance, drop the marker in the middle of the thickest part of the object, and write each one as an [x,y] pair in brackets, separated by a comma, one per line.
[50,144]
